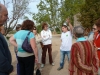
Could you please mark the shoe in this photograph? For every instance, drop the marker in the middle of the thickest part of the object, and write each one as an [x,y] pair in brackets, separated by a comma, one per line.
[42,65]
[60,68]
[34,71]
[52,64]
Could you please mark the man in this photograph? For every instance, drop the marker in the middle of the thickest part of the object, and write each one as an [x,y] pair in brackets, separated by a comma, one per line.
[5,57]
[66,43]
[84,60]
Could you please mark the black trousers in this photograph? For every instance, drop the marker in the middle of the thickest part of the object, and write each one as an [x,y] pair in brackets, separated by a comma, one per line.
[26,65]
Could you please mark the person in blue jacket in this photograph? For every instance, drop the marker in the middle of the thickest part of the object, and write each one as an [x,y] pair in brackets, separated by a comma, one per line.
[5,56]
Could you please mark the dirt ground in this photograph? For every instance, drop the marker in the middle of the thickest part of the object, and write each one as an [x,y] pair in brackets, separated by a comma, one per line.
[48,69]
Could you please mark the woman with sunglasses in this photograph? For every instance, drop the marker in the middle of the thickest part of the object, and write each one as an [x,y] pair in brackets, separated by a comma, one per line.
[91,35]
[38,40]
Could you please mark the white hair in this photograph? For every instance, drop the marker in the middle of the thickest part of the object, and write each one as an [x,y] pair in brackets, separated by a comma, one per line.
[78,31]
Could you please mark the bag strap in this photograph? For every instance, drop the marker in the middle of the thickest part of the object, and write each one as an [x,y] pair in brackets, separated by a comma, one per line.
[28,34]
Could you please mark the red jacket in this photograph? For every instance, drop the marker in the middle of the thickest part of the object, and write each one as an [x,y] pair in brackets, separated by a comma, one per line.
[97,39]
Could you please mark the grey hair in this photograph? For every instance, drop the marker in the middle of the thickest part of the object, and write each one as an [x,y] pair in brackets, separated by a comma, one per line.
[78,31]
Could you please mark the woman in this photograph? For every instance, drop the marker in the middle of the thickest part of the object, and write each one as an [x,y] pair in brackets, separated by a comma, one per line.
[46,40]
[38,40]
[18,27]
[94,30]
[97,41]
[26,60]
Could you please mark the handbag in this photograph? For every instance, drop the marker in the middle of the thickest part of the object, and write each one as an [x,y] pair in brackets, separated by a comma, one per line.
[26,45]
[38,72]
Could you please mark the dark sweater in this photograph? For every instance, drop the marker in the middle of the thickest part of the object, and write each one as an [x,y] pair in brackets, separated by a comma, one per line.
[5,57]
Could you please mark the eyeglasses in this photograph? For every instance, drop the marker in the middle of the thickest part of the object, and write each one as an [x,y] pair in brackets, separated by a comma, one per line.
[94,28]
[34,28]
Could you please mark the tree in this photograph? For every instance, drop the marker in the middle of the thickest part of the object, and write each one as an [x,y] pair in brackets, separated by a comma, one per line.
[90,12]
[19,8]
[54,12]
[48,12]
[69,8]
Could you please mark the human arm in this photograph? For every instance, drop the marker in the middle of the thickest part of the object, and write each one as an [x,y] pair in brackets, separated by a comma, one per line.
[95,61]
[70,25]
[13,41]
[34,47]
[38,38]
[77,60]
[50,35]
[46,36]
[5,65]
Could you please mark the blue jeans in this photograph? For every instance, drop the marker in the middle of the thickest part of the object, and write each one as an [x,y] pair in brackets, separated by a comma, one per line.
[62,57]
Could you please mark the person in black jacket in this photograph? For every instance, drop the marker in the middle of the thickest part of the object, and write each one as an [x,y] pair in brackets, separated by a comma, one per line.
[5,57]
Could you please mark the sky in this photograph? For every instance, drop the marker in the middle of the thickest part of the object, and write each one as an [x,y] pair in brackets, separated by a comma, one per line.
[32,8]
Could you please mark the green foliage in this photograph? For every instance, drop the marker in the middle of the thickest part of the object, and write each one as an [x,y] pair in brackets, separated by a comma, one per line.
[12,32]
[58,30]
[39,28]
[89,12]
[69,8]
[55,13]
[47,12]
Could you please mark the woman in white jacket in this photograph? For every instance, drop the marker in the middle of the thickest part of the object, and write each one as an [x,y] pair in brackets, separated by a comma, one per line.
[46,40]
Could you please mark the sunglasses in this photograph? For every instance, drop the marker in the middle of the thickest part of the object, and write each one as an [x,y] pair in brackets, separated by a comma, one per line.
[34,29]
[94,28]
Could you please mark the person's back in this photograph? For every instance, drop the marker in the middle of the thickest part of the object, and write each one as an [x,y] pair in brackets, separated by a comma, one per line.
[84,59]
[26,60]
[20,39]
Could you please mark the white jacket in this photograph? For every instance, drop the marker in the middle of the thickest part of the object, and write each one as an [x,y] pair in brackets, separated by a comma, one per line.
[46,37]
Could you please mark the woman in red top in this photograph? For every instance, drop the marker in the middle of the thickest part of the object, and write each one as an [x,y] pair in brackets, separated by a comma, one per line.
[97,41]
[97,37]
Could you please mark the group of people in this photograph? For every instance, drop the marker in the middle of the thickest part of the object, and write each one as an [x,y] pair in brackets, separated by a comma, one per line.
[26,61]
[83,56]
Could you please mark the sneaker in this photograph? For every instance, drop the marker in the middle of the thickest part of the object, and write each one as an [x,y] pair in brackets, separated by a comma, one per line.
[52,64]
[60,68]
[42,65]
[34,71]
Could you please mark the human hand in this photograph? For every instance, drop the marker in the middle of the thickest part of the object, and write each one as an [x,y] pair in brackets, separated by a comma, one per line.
[36,60]
[96,48]
[68,20]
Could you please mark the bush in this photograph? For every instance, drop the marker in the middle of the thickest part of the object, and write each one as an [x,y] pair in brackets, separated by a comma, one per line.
[12,32]
[57,30]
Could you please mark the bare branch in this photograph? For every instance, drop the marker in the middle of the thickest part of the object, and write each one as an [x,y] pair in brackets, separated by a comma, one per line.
[19,8]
